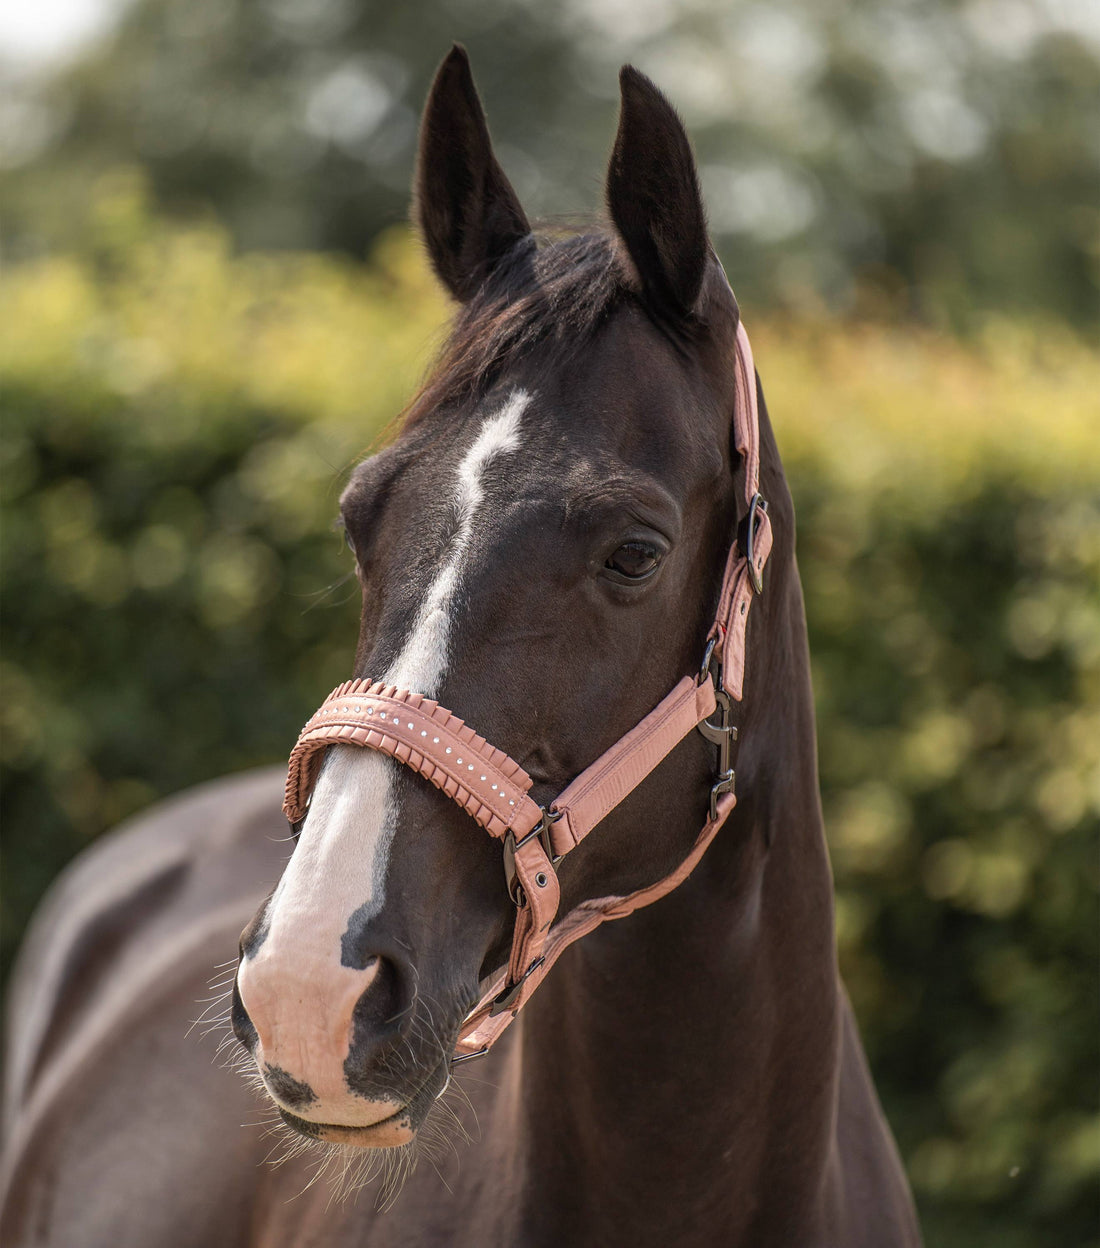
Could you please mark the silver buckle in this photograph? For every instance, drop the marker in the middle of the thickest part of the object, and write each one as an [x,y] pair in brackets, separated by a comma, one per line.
[511,845]
[759,503]
[507,995]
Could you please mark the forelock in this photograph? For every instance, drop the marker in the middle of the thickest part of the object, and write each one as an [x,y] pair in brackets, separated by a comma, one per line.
[553,292]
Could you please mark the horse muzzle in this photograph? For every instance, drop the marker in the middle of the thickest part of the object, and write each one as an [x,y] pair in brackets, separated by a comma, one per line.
[331,1052]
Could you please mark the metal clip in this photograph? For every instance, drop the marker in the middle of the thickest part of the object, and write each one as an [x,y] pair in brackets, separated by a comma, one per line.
[507,995]
[459,1058]
[724,784]
[722,734]
[511,846]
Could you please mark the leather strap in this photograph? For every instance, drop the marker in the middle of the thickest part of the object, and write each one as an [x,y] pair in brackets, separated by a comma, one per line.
[494,789]
[743,578]
[482,1028]
[595,793]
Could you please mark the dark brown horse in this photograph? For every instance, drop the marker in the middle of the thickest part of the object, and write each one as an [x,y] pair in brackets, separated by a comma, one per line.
[540,550]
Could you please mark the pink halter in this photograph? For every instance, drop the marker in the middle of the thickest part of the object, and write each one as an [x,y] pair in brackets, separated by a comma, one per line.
[493,788]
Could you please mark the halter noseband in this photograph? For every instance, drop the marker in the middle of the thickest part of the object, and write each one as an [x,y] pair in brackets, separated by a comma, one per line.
[493,788]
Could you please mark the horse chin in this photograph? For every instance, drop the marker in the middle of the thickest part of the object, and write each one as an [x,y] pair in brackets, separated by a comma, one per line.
[391,1132]
[394,1131]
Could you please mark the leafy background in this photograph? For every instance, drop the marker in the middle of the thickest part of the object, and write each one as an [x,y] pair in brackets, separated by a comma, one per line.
[212,308]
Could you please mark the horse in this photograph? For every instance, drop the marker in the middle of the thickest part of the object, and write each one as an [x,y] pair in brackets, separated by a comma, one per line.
[545,550]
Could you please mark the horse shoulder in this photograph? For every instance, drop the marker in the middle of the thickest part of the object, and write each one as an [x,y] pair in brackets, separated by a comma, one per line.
[102,1079]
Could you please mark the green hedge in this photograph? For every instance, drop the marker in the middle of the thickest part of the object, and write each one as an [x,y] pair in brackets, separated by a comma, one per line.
[177,422]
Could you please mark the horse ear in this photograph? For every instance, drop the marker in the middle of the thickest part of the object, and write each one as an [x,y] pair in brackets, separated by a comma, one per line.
[653,196]
[467,211]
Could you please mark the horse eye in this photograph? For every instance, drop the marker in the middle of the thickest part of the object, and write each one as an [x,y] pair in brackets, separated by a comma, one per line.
[634,561]
[351,544]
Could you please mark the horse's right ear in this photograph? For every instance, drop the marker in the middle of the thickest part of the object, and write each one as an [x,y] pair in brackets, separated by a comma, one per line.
[467,211]
[654,200]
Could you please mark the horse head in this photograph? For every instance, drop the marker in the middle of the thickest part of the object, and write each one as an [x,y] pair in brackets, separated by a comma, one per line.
[540,550]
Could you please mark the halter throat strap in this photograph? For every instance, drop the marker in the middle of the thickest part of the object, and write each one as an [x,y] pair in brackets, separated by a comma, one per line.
[495,790]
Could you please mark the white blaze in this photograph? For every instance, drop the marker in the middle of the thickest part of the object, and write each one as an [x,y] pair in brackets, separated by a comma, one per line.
[340,861]
[422,662]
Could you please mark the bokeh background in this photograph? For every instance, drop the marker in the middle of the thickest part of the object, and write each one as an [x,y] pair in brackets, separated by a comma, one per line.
[211,305]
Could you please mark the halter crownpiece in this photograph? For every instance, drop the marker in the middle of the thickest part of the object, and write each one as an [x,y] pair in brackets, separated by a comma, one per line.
[494,789]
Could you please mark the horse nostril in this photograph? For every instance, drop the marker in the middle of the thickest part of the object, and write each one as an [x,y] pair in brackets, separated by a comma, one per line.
[329,1027]
[381,1016]
[383,1003]
[242,1025]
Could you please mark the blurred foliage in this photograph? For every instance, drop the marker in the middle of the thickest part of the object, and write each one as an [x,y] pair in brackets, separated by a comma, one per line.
[937,158]
[178,420]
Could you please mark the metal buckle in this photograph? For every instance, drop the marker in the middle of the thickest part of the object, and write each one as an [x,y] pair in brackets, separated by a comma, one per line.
[759,503]
[503,1000]
[459,1058]
[511,845]
[708,658]
[722,734]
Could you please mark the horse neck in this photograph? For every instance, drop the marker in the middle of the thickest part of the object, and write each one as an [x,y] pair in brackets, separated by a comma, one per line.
[678,1072]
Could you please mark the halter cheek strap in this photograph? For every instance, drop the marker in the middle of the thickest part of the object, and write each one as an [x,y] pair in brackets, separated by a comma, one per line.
[494,789]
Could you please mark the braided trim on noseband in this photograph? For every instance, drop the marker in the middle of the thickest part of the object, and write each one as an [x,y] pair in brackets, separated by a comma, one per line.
[488,785]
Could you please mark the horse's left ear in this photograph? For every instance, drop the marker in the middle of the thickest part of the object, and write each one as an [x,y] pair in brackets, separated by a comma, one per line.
[653,196]
[468,213]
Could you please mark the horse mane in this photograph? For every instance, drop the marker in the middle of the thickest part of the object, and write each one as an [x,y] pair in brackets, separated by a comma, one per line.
[556,289]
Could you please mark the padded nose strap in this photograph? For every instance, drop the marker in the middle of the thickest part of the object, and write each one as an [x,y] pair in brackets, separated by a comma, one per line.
[495,790]
[423,735]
